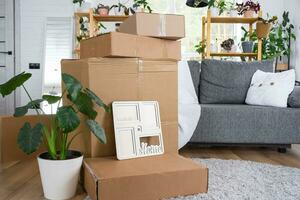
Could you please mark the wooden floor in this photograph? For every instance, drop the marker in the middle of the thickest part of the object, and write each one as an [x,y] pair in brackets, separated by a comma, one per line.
[22,181]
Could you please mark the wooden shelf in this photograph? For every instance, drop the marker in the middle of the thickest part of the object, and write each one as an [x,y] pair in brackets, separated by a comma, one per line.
[234,20]
[110,18]
[82,14]
[233,54]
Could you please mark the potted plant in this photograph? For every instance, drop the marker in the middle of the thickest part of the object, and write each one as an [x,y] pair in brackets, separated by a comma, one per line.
[59,166]
[263,26]
[248,40]
[217,7]
[248,8]
[143,5]
[231,9]
[81,5]
[102,10]
[227,45]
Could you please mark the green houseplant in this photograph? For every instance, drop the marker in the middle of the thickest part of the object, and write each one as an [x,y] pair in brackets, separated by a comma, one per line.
[200,48]
[59,160]
[142,4]
[248,40]
[217,7]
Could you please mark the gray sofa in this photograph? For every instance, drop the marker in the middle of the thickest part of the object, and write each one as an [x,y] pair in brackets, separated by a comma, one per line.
[225,118]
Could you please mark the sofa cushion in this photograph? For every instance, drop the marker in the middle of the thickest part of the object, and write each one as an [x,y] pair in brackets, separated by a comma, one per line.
[271,89]
[248,124]
[227,82]
[294,98]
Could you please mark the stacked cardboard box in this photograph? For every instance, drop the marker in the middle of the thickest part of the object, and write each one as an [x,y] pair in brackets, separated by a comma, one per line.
[138,63]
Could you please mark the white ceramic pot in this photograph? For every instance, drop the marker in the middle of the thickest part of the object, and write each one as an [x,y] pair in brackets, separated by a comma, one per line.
[60,177]
[214,12]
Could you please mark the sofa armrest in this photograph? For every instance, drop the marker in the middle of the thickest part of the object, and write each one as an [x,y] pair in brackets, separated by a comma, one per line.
[294,98]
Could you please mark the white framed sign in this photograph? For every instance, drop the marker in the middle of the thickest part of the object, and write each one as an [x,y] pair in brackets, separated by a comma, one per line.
[137,129]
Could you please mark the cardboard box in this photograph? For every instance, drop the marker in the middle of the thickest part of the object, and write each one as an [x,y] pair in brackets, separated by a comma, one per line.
[126,45]
[155,25]
[150,178]
[9,131]
[126,79]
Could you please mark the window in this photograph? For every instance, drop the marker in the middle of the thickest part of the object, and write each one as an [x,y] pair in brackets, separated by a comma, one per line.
[193,18]
[58,45]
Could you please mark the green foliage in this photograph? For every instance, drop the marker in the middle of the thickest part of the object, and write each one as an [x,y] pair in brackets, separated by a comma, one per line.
[144,4]
[200,48]
[11,85]
[97,130]
[78,1]
[63,123]
[277,44]
[29,139]
[222,5]
[247,36]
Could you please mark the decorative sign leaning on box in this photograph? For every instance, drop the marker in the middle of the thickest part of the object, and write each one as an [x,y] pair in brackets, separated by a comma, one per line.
[137,129]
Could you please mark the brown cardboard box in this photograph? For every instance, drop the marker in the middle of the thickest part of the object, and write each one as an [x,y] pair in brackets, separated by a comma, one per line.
[126,45]
[9,130]
[155,25]
[126,79]
[151,178]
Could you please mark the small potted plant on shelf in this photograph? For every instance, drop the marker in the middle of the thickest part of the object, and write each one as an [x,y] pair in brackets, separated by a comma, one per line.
[59,166]
[102,10]
[217,7]
[227,45]
[142,6]
[263,26]
[248,40]
[248,8]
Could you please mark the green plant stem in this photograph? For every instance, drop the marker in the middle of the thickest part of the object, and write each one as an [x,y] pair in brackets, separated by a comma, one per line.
[64,146]
[37,112]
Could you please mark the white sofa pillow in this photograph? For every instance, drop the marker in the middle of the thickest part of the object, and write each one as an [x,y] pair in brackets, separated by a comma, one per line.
[271,89]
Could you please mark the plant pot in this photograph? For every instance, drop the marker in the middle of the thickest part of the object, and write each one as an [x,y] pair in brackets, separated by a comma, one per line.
[249,13]
[103,11]
[247,46]
[214,12]
[263,29]
[60,177]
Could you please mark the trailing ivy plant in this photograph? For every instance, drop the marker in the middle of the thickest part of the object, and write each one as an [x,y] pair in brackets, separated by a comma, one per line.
[59,136]
[281,34]
[144,4]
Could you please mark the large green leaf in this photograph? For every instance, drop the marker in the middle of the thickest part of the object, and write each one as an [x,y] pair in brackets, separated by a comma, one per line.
[85,105]
[21,111]
[51,99]
[29,139]
[97,130]
[68,120]
[73,86]
[11,85]
[97,100]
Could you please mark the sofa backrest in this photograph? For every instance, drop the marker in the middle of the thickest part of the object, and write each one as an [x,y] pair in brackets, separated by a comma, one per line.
[227,82]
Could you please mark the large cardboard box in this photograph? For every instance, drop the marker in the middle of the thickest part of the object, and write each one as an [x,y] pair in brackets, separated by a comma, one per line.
[126,79]
[150,178]
[164,26]
[9,131]
[127,45]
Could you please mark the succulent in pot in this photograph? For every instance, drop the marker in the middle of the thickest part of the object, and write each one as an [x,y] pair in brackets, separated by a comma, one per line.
[102,10]
[263,26]
[248,8]
[59,166]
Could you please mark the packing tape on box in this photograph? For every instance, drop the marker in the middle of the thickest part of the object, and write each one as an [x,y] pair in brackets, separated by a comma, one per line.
[162,29]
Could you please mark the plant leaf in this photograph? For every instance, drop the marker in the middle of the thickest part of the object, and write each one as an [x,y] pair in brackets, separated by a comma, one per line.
[15,82]
[73,86]
[97,130]
[21,111]
[97,100]
[51,99]
[68,120]
[85,105]
[29,139]
[35,104]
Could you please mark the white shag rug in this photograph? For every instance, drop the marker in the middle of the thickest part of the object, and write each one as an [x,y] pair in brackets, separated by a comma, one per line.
[246,180]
